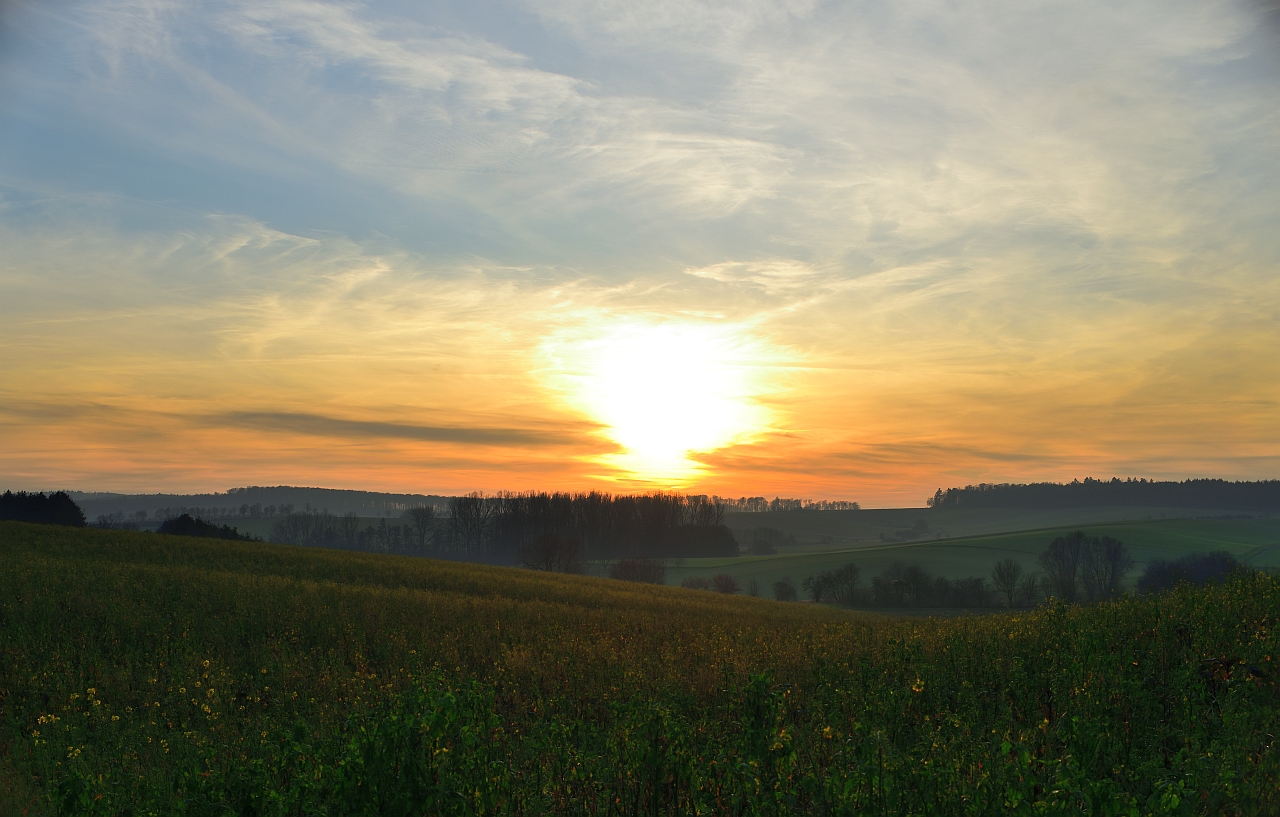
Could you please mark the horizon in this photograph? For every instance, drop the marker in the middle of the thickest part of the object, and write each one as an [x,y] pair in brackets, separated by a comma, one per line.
[813,249]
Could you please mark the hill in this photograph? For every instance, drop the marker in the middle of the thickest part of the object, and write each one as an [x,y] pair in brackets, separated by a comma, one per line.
[1258,497]
[1255,542]
[143,673]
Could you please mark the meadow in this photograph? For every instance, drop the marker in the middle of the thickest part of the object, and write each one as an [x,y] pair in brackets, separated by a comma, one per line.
[146,674]
[1255,542]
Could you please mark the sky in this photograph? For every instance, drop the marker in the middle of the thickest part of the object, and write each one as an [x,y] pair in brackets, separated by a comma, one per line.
[836,250]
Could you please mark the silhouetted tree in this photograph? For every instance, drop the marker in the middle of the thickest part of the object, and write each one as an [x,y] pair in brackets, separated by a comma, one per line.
[469,518]
[423,520]
[1103,567]
[816,587]
[1030,589]
[696,583]
[1195,568]
[553,553]
[724,583]
[1005,576]
[55,509]
[1061,563]
[843,584]
[187,525]
[784,590]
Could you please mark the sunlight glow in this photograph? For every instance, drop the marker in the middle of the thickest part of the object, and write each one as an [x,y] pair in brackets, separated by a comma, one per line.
[664,391]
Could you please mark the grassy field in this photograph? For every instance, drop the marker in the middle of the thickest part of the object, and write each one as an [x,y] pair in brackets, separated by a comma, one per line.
[1254,541]
[827,530]
[144,674]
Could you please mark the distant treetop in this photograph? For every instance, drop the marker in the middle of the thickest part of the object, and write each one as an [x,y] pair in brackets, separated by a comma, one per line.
[55,509]
[187,525]
[1208,494]
[759,504]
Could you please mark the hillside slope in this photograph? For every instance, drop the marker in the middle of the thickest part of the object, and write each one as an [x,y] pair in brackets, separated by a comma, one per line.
[143,673]
[1255,542]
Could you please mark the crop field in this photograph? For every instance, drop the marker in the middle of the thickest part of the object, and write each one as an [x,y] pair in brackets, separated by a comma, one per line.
[147,674]
[1255,542]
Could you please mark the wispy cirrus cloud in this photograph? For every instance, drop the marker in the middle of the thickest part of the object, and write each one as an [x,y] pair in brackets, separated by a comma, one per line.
[1027,238]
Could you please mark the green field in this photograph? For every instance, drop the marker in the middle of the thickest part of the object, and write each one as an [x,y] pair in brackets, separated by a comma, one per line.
[1255,542]
[827,530]
[148,674]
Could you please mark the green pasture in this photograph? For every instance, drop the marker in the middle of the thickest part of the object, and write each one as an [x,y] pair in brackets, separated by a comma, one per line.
[828,530]
[1254,541]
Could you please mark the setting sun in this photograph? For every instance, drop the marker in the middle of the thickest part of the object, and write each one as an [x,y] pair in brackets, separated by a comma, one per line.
[663,391]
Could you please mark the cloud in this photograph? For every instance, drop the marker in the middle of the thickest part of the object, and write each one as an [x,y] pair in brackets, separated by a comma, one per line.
[321,426]
[981,226]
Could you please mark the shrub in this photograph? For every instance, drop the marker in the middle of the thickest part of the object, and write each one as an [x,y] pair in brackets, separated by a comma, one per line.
[187,525]
[724,583]
[784,590]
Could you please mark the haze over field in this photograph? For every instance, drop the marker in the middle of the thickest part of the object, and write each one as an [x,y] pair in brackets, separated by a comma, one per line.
[837,250]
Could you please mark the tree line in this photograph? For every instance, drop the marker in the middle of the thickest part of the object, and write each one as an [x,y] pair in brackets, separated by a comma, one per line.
[552,531]
[1209,494]
[56,508]
[1074,568]
[759,504]
[597,525]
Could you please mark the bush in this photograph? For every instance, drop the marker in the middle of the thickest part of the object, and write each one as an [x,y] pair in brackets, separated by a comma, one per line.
[646,571]
[784,590]
[724,583]
[187,525]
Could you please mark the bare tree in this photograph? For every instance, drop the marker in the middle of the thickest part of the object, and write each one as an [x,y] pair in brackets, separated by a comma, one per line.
[349,529]
[1005,576]
[1104,565]
[917,581]
[816,587]
[552,553]
[423,522]
[696,583]
[1061,563]
[469,520]
[1030,589]
[843,582]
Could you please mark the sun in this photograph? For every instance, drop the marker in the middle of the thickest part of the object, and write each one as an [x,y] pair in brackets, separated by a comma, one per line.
[665,390]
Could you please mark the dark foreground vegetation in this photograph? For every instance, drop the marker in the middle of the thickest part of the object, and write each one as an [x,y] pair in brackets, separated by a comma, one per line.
[145,674]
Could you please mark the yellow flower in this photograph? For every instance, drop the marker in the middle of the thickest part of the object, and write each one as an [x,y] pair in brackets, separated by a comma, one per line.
[918,686]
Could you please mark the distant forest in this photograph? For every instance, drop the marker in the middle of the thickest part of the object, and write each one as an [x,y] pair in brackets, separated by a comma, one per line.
[1207,494]
[499,528]
[258,502]
[255,502]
